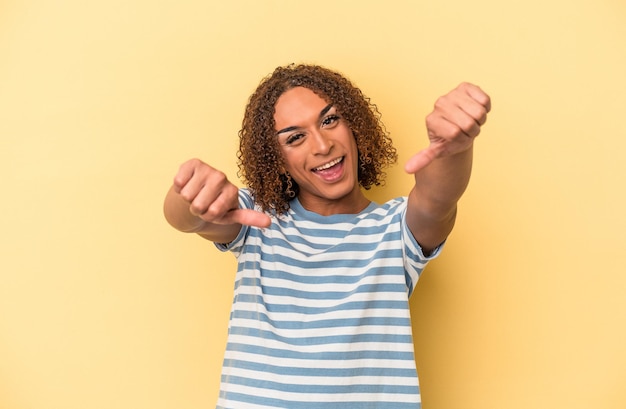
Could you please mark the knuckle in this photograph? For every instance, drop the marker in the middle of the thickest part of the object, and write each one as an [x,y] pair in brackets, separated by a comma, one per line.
[467,123]
[187,166]
[186,195]
[212,213]
[179,181]
[431,120]
[220,177]
[441,102]
[193,162]
[197,208]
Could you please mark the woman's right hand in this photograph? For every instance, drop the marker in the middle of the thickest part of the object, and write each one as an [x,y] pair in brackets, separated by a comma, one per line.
[211,197]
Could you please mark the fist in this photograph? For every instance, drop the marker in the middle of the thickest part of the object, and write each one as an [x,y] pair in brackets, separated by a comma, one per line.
[212,197]
[453,124]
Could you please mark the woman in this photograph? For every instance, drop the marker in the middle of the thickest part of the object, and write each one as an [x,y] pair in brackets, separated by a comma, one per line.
[320,314]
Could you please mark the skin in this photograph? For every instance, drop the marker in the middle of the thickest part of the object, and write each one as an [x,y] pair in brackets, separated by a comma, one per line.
[312,134]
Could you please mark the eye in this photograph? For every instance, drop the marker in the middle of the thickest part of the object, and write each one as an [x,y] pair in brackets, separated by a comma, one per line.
[294,138]
[330,120]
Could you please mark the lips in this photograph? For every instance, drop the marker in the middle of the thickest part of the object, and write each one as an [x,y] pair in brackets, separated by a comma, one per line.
[330,172]
[328,165]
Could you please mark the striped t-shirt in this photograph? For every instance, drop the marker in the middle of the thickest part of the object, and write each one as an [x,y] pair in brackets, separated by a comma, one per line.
[320,315]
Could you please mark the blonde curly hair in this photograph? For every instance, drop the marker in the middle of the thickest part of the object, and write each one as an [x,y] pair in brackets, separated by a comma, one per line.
[259,157]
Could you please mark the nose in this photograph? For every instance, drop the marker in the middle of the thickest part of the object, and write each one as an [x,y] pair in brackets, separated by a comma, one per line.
[321,144]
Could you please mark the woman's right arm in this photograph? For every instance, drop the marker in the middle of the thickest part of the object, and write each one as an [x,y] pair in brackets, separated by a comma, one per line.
[203,201]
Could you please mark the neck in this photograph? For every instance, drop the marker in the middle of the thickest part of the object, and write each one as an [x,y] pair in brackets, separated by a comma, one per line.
[351,204]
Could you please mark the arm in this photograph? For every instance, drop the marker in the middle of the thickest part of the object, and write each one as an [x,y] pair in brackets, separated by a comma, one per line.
[202,200]
[442,171]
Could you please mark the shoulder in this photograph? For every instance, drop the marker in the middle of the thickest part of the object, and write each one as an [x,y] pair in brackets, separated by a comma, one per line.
[246,199]
[393,208]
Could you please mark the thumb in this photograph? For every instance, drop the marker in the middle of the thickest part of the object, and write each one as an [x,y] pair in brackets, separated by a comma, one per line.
[422,159]
[248,217]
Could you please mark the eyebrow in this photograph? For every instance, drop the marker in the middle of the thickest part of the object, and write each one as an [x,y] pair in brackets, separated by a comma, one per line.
[293,128]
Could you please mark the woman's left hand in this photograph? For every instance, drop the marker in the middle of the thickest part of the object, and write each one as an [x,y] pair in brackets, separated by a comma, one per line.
[453,124]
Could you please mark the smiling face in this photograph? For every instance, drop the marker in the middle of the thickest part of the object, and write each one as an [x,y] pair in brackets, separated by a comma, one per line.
[319,152]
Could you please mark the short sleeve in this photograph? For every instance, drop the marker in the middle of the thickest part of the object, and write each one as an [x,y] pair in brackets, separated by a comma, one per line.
[414,261]
[246,201]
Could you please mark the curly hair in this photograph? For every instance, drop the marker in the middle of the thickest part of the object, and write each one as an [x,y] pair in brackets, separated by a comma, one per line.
[259,157]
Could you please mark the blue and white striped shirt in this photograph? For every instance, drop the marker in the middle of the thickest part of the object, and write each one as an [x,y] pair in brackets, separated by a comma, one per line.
[320,316]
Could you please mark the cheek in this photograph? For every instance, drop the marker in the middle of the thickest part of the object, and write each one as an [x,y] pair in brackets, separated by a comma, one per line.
[289,161]
[352,140]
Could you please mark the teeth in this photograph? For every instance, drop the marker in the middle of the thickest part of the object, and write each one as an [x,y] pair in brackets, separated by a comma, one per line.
[329,164]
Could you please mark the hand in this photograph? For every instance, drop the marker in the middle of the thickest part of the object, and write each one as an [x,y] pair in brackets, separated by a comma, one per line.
[452,125]
[212,197]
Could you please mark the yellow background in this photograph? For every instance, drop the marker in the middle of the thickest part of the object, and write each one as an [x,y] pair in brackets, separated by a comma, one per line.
[103,305]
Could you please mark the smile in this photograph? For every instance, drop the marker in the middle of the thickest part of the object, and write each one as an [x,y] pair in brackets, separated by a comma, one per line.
[328,165]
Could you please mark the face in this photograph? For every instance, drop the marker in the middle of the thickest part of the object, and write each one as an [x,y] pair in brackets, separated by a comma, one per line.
[319,152]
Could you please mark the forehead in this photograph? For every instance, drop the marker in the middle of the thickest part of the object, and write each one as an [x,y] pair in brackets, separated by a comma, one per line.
[297,105]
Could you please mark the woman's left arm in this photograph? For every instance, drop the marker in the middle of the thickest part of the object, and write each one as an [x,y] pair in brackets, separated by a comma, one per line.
[442,171]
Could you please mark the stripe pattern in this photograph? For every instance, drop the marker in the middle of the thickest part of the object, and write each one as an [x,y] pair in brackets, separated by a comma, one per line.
[320,316]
